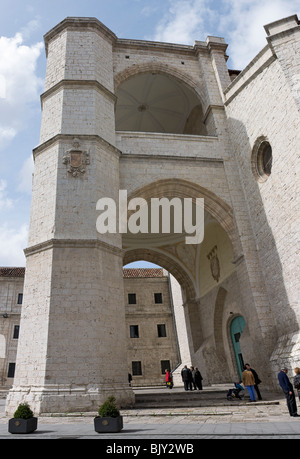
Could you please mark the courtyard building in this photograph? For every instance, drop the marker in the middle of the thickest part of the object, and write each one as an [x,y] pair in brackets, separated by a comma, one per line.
[152,342]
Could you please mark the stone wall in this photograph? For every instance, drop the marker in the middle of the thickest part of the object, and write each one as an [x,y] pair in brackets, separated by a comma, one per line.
[261,105]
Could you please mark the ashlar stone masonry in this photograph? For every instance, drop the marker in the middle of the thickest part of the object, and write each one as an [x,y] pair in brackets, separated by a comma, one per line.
[161,120]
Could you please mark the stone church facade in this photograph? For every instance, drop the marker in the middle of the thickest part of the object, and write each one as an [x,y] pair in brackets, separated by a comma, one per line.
[160,120]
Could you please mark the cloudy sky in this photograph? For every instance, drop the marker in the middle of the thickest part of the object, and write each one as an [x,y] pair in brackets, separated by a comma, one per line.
[22,71]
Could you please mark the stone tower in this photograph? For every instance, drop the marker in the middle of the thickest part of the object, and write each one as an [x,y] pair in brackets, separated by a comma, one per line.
[74,316]
[159,120]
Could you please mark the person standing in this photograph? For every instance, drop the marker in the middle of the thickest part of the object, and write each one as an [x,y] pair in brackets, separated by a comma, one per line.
[288,391]
[198,379]
[193,381]
[249,382]
[297,381]
[186,377]
[257,381]
[169,379]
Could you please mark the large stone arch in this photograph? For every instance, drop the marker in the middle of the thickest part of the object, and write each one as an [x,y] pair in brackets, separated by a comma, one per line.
[166,262]
[165,69]
[181,188]
[180,259]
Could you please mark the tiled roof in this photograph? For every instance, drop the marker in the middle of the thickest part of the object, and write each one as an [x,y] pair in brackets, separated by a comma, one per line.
[12,272]
[143,272]
[127,272]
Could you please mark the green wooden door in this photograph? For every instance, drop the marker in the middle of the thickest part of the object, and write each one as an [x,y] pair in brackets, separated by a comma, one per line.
[236,329]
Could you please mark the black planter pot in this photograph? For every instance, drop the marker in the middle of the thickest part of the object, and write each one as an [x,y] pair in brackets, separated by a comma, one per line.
[22,426]
[104,425]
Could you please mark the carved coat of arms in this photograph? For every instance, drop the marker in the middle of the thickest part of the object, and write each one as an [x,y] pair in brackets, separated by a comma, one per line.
[214,264]
[76,160]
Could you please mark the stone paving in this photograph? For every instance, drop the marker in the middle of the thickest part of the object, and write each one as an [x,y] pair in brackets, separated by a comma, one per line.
[265,419]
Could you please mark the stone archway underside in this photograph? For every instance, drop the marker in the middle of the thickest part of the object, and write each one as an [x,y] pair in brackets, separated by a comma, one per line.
[171,250]
[166,262]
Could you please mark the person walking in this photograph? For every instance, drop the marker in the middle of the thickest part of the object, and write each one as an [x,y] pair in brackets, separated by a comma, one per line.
[297,381]
[198,379]
[257,381]
[186,377]
[249,382]
[288,391]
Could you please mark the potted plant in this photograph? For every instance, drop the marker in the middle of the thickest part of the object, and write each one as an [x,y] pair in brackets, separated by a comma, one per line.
[109,419]
[23,421]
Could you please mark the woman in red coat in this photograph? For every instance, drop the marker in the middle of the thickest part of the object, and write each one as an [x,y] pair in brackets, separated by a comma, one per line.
[168,379]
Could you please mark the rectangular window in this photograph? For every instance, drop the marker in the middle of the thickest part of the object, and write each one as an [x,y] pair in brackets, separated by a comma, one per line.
[131,298]
[11,370]
[161,331]
[20,298]
[16,331]
[136,368]
[158,298]
[134,331]
[165,365]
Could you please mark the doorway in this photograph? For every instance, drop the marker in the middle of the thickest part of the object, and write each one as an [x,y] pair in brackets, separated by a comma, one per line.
[236,329]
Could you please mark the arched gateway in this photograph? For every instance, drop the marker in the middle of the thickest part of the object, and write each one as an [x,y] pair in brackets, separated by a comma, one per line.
[142,121]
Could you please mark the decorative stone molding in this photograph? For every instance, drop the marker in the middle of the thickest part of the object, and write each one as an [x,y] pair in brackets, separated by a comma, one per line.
[76,160]
[214,263]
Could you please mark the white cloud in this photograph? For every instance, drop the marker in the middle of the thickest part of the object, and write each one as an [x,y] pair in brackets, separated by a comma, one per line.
[240,22]
[182,21]
[5,202]
[12,243]
[20,85]
[6,135]
[243,25]
[25,176]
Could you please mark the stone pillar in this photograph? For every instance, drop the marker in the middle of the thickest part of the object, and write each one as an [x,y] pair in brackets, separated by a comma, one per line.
[72,345]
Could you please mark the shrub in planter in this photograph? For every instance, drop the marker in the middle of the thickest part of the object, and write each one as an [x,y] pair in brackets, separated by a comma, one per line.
[109,419]
[23,421]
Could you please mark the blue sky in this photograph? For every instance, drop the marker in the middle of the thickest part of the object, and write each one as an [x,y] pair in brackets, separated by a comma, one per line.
[23,65]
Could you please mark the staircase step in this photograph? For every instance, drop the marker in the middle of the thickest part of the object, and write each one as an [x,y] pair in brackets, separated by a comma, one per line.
[179,399]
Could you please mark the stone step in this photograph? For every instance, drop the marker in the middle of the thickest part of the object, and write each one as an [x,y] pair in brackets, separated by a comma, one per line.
[179,399]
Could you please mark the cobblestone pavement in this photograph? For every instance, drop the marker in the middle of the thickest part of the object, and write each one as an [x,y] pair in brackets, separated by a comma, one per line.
[266,419]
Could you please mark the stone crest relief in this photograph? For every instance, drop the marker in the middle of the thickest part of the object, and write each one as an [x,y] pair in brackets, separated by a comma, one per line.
[76,160]
[214,263]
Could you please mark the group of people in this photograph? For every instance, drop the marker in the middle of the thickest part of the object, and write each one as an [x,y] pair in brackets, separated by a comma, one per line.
[192,380]
[191,377]
[251,381]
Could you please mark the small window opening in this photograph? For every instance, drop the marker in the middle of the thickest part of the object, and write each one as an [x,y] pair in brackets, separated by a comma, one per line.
[131,298]
[134,331]
[158,298]
[161,331]
[137,368]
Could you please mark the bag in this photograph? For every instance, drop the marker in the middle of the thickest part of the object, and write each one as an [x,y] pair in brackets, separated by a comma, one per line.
[297,382]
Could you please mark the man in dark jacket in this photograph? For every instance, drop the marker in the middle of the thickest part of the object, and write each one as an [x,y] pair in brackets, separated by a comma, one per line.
[288,391]
[186,376]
